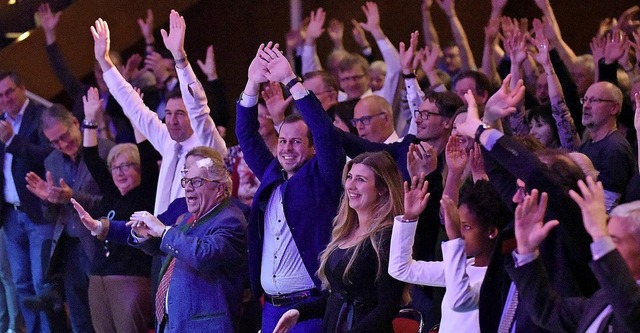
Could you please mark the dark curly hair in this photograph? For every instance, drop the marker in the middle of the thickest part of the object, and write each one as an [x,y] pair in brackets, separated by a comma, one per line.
[485,203]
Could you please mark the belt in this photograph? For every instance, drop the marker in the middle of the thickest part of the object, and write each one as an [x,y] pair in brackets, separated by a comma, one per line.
[288,299]
[14,206]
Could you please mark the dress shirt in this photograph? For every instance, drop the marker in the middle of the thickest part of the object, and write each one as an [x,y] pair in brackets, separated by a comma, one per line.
[283,271]
[10,192]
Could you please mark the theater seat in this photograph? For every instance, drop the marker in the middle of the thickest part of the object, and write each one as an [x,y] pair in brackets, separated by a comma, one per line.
[408,321]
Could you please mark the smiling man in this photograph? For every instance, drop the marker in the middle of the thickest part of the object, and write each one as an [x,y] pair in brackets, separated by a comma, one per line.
[285,238]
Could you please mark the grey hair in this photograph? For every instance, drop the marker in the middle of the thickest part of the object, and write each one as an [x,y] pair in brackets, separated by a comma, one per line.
[216,169]
[631,212]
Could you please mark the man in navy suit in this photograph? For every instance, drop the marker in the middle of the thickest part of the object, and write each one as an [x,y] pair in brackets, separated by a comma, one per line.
[24,149]
[616,265]
[298,197]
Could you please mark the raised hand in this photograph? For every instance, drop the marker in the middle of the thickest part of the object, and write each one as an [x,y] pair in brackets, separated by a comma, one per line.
[315,28]
[37,185]
[407,54]
[615,48]
[430,58]
[101,43]
[131,69]
[359,35]
[275,101]
[478,171]
[516,46]
[208,67]
[455,156]
[87,220]
[155,63]
[257,70]
[422,158]
[541,43]
[92,104]
[49,22]
[592,206]
[372,25]
[472,122]
[530,228]
[416,196]
[287,321]
[336,33]
[451,217]
[503,102]
[278,68]
[598,45]
[146,27]
[626,22]
[174,39]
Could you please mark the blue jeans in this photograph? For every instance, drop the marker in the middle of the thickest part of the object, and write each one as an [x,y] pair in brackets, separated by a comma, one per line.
[28,247]
[76,283]
[9,311]
[271,314]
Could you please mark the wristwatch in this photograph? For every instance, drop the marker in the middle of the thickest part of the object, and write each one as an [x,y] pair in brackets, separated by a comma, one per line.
[483,127]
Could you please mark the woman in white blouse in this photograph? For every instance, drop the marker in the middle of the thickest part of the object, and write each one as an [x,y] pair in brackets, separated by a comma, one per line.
[472,229]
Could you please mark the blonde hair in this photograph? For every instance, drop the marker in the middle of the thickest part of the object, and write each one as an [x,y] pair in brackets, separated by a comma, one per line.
[129,150]
[388,183]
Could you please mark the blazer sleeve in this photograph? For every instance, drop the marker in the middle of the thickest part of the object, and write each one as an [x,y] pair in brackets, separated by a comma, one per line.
[546,308]
[255,151]
[221,246]
[620,288]
[327,144]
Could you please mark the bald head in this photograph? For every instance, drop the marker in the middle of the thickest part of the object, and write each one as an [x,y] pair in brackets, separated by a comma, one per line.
[373,118]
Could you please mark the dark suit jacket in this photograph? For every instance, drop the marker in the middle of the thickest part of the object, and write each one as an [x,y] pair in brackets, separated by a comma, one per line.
[565,252]
[29,148]
[311,196]
[85,190]
[574,314]
[208,279]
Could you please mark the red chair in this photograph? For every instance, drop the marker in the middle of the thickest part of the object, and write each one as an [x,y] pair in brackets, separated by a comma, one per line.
[408,321]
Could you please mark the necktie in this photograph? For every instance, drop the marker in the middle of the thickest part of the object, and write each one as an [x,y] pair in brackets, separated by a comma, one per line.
[165,193]
[509,314]
[163,286]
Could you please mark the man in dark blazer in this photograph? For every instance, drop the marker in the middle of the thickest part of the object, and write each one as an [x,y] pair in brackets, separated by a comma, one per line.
[616,265]
[298,197]
[67,177]
[204,270]
[24,149]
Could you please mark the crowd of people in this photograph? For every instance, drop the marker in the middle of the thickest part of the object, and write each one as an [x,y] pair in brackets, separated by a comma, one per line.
[356,191]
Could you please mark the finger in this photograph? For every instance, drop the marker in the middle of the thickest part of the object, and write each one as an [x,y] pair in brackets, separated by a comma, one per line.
[546,228]
[406,186]
[63,184]
[49,177]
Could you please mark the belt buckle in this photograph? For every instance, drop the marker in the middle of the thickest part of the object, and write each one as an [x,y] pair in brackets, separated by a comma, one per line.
[277,300]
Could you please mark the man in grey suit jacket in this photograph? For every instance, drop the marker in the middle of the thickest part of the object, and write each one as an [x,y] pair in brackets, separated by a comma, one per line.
[24,149]
[67,177]
[616,265]
[204,271]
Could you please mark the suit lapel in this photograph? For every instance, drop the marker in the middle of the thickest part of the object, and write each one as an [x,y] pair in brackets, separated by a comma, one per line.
[597,303]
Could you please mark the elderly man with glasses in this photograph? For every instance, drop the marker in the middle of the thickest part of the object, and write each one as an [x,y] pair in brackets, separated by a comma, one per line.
[68,177]
[605,145]
[204,269]
[373,118]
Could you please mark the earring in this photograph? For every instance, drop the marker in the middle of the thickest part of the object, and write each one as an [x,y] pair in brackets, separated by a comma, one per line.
[491,236]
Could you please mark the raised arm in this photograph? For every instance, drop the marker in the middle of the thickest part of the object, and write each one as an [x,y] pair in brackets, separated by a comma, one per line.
[310,59]
[567,131]
[193,93]
[554,35]
[448,6]
[491,50]
[430,34]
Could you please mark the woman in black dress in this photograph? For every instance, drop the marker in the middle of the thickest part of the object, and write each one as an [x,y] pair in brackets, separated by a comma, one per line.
[360,296]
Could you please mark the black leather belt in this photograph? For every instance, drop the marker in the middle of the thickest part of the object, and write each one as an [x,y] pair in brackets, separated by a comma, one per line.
[287,299]
[8,205]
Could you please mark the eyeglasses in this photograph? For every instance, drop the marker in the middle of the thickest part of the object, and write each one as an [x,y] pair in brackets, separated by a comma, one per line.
[62,138]
[424,114]
[195,181]
[591,100]
[365,121]
[8,92]
[124,167]
[351,78]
